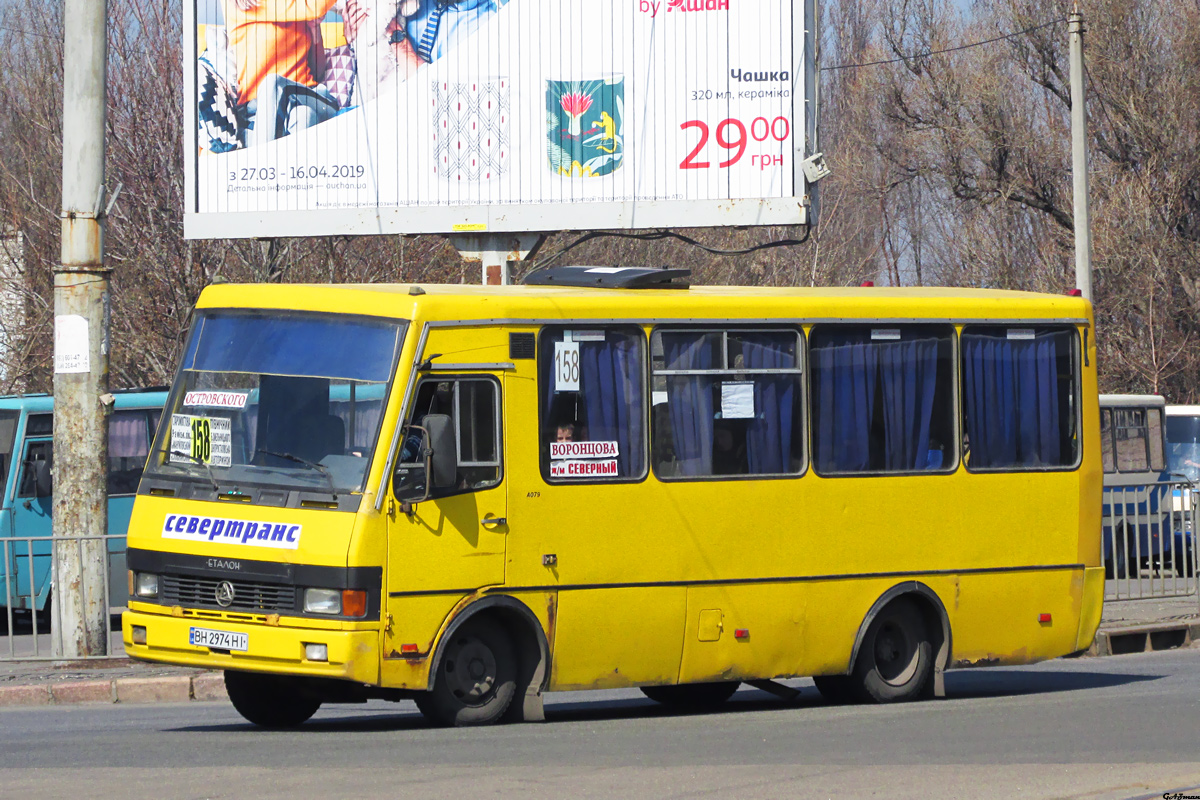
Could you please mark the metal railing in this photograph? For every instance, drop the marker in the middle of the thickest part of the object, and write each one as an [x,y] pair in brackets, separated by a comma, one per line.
[1149,541]
[26,575]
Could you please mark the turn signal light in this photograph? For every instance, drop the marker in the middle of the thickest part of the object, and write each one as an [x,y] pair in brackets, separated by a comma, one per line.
[354,603]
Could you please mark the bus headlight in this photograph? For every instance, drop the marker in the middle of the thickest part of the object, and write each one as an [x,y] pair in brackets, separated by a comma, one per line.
[344,602]
[145,584]
[323,601]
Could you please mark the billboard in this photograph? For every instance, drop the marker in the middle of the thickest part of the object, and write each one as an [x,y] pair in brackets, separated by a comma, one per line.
[322,117]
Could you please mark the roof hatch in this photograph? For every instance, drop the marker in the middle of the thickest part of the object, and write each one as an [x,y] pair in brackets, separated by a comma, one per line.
[610,277]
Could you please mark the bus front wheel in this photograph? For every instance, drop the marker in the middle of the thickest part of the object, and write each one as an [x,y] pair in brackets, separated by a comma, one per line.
[476,679]
[269,701]
[895,660]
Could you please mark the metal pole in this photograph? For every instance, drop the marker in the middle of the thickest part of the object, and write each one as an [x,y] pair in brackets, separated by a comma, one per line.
[495,253]
[1079,160]
[81,343]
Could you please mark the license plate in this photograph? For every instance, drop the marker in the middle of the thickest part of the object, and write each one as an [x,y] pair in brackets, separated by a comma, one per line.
[219,640]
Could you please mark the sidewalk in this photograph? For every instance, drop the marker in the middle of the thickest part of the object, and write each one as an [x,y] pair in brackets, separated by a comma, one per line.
[1128,626]
[111,680]
[1138,626]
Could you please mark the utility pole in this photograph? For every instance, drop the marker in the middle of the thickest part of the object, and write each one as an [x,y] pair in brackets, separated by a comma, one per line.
[81,345]
[1079,159]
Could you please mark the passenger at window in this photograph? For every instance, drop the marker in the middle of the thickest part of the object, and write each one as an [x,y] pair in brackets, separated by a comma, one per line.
[565,432]
[935,456]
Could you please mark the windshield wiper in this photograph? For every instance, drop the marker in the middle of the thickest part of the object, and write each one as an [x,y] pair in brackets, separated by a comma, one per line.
[202,463]
[310,464]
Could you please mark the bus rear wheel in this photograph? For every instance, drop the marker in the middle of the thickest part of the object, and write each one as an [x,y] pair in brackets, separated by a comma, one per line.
[476,679]
[692,696]
[269,701]
[895,660]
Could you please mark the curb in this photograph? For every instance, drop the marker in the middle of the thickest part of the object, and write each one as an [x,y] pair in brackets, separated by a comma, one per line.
[1145,638]
[206,687]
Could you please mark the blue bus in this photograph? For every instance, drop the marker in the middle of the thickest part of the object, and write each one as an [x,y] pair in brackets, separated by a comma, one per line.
[26,458]
[1137,529]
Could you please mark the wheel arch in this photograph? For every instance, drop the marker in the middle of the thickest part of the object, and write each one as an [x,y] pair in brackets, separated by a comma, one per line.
[529,639]
[936,618]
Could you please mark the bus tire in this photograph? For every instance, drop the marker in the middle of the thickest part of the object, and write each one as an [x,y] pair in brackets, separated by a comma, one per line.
[895,661]
[837,689]
[476,679]
[692,696]
[269,701]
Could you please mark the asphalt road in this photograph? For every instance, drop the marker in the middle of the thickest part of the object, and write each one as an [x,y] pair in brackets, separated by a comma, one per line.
[1119,727]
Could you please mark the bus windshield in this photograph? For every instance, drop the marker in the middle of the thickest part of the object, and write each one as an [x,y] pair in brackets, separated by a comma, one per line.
[1183,445]
[283,400]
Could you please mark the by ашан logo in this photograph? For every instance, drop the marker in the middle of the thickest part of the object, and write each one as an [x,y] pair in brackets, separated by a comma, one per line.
[193,528]
[653,7]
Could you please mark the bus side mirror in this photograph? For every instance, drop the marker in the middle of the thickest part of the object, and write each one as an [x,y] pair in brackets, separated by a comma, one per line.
[445,450]
[429,449]
[43,485]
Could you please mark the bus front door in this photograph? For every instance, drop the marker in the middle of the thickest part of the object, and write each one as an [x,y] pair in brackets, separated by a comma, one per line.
[448,547]
[32,526]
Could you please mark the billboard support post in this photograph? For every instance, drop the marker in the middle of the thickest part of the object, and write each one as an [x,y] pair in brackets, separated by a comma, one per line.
[80,507]
[495,252]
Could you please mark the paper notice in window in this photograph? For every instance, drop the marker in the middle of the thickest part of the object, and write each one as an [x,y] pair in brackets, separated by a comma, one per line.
[737,400]
[584,469]
[566,366]
[564,450]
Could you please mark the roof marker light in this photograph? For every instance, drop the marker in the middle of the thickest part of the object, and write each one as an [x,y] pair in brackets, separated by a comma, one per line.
[867,284]
[1075,293]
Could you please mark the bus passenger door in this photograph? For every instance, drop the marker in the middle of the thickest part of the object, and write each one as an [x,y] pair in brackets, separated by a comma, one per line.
[452,545]
[32,522]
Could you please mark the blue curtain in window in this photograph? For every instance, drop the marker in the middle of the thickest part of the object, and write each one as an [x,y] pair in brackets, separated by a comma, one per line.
[610,380]
[1012,401]
[844,370]
[908,377]
[769,434]
[690,400]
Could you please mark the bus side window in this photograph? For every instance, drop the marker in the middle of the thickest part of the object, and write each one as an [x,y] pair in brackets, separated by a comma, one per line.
[1018,389]
[474,405]
[1154,429]
[1133,453]
[1106,440]
[477,427]
[8,430]
[592,391]
[128,447]
[35,471]
[726,403]
[882,398]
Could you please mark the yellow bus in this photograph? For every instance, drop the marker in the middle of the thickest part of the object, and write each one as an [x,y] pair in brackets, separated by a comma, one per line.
[471,496]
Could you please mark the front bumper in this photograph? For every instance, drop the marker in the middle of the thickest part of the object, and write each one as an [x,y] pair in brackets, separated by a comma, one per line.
[353,655]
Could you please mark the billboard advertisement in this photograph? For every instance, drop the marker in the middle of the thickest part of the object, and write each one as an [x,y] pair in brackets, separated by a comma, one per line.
[323,117]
